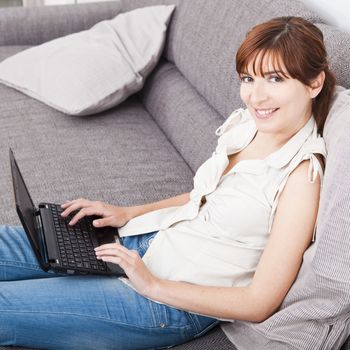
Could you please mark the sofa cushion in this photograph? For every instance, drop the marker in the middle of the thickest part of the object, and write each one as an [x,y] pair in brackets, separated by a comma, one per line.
[7,51]
[338,49]
[98,157]
[214,339]
[182,113]
[35,25]
[93,70]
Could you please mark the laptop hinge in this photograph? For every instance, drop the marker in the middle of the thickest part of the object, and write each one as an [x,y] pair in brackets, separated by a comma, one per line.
[48,232]
[40,230]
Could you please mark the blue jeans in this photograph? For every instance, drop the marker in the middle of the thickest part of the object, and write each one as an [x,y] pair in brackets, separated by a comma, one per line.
[46,310]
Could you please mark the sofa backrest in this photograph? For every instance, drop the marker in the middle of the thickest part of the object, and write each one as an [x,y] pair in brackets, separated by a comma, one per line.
[203,38]
[205,35]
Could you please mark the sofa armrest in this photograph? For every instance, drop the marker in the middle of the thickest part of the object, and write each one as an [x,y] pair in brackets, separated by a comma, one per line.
[35,25]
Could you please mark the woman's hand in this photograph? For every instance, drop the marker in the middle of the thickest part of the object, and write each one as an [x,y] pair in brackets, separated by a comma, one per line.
[130,261]
[111,215]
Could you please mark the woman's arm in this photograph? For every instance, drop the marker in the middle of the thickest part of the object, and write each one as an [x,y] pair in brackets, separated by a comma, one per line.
[116,216]
[165,203]
[290,236]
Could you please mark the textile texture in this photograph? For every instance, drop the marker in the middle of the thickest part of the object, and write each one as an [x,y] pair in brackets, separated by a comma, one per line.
[215,339]
[36,25]
[63,157]
[93,70]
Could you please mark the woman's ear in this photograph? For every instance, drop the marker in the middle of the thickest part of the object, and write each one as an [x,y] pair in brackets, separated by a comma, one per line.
[317,84]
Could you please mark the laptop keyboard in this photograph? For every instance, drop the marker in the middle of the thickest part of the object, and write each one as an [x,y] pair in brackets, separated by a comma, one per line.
[75,243]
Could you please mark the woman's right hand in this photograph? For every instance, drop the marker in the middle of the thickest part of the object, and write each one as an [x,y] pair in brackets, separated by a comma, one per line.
[110,215]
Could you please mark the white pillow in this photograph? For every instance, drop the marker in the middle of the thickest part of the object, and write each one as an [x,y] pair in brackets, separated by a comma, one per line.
[93,70]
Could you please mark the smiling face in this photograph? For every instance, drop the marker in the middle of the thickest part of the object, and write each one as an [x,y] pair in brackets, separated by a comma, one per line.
[278,103]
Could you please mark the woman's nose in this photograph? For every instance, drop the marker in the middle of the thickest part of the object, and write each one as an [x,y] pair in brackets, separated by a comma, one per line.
[258,93]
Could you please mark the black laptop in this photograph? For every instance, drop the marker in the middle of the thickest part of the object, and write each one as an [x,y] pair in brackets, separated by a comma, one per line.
[58,246]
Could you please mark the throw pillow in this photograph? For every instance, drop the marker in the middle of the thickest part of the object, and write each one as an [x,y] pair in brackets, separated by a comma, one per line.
[93,70]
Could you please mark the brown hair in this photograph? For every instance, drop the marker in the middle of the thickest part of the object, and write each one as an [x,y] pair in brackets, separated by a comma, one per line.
[298,44]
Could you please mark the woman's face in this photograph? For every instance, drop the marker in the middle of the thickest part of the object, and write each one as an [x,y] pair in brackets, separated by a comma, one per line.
[279,105]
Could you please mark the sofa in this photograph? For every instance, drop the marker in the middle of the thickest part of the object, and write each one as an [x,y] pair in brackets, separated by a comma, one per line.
[149,147]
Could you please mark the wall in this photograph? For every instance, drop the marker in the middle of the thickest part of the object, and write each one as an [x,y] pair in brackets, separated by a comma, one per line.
[336,11]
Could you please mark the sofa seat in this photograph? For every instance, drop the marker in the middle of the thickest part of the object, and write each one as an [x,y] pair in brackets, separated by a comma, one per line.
[64,157]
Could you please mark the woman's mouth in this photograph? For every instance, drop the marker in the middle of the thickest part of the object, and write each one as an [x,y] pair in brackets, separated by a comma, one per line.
[265,113]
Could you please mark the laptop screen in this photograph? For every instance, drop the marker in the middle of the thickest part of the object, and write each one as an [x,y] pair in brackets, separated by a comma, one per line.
[24,204]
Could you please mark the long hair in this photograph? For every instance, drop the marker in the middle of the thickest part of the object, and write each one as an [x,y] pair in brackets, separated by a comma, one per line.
[298,45]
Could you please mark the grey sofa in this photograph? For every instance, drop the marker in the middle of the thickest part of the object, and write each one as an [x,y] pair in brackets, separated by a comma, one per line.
[149,147]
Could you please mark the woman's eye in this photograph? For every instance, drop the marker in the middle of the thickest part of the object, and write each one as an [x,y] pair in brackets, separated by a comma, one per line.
[246,79]
[276,79]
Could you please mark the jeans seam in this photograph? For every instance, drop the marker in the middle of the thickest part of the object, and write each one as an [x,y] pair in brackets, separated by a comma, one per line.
[193,321]
[91,317]
[21,264]
[197,326]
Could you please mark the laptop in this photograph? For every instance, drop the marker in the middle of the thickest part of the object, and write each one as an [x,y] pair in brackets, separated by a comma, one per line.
[58,246]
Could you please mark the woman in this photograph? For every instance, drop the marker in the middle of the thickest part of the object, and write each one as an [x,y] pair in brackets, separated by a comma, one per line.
[230,249]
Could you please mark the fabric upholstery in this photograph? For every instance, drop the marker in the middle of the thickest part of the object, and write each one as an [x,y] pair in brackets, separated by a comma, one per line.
[215,339]
[338,49]
[85,156]
[204,59]
[203,45]
[93,70]
[35,25]
[183,114]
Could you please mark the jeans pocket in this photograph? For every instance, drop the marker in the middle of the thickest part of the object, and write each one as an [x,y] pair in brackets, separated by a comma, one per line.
[145,242]
[139,242]
[172,320]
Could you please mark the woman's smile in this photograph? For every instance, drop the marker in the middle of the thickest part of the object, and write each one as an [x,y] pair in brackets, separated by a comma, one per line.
[265,113]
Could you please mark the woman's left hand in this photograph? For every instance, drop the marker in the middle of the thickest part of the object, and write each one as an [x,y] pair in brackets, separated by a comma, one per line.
[130,261]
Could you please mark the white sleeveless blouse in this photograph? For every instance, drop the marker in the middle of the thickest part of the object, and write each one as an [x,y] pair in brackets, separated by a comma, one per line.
[220,243]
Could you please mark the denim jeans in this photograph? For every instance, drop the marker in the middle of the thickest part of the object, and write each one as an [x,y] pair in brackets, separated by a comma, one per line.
[58,311]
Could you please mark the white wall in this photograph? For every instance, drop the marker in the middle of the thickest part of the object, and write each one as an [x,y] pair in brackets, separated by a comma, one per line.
[336,11]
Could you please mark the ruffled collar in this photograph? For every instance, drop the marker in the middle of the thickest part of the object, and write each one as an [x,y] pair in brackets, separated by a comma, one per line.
[239,130]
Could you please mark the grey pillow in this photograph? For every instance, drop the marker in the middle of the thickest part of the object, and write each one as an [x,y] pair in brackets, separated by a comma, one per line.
[93,70]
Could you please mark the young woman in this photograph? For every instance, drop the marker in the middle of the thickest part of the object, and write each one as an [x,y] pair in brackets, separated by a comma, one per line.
[230,249]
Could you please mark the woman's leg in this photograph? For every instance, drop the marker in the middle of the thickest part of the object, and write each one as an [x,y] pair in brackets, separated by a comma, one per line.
[85,312]
[17,259]
[89,312]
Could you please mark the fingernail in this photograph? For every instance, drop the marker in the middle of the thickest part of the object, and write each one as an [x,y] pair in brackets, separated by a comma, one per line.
[96,223]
